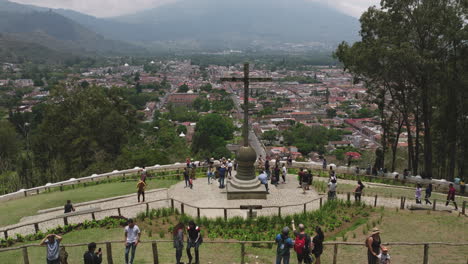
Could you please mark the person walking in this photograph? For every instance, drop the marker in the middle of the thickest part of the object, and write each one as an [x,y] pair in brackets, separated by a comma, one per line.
[194,240]
[300,175]
[276,175]
[90,256]
[358,191]
[418,193]
[317,243]
[267,166]
[451,196]
[143,174]
[141,186]
[374,246]
[284,173]
[332,189]
[302,244]
[462,186]
[310,178]
[263,178]
[132,238]
[178,236]
[222,175]
[186,177]
[285,243]
[68,208]
[193,171]
[52,241]
[428,193]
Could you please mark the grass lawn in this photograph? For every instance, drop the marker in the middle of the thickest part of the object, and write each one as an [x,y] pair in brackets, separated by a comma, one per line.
[410,226]
[396,226]
[12,211]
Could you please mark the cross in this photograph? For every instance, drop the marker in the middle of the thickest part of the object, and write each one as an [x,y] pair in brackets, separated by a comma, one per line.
[246,80]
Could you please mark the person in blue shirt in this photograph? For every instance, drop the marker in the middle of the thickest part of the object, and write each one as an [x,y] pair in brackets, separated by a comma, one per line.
[263,178]
[284,245]
[222,175]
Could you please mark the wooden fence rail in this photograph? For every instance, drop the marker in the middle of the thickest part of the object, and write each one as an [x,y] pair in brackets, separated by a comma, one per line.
[155,253]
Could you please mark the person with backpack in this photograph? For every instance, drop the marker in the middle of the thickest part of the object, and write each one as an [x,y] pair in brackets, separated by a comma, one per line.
[317,243]
[194,240]
[358,191]
[284,245]
[302,244]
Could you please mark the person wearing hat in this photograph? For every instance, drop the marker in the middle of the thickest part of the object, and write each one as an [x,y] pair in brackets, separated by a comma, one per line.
[229,168]
[384,257]
[374,245]
[285,243]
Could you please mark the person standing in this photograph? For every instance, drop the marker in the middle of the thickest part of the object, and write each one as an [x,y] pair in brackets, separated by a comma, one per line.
[310,178]
[332,189]
[276,173]
[324,164]
[210,173]
[194,240]
[132,238]
[178,235]
[428,193]
[143,174]
[317,243]
[186,177]
[374,245]
[462,186]
[141,186]
[52,241]
[193,171]
[68,208]
[418,193]
[229,168]
[90,257]
[222,175]
[284,173]
[358,191]
[451,196]
[300,175]
[302,244]
[284,245]
[305,181]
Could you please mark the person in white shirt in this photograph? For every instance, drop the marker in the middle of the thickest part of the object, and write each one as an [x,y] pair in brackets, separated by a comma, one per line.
[132,238]
[332,189]
[285,171]
[229,168]
[384,257]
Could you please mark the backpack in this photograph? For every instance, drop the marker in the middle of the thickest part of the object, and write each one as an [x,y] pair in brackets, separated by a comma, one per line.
[282,249]
[300,243]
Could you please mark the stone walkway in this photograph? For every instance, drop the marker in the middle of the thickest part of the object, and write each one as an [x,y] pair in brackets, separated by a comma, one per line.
[202,195]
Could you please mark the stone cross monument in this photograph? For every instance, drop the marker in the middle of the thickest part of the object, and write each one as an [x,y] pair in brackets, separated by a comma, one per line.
[244,185]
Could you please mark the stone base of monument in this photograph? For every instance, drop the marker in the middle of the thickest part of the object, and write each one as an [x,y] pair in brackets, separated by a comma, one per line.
[240,190]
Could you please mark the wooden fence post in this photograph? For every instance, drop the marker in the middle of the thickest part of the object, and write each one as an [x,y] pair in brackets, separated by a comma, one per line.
[93,216]
[320,202]
[5,234]
[147,208]
[109,253]
[348,196]
[305,208]
[36,227]
[198,212]
[279,211]
[242,253]
[434,205]
[426,254]
[61,188]
[118,210]
[225,214]
[155,253]
[182,211]
[463,207]
[335,254]
[375,201]
[25,255]
[172,204]
[25,193]
[65,221]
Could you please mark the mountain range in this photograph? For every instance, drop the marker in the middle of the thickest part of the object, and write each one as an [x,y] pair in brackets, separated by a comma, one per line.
[191,24]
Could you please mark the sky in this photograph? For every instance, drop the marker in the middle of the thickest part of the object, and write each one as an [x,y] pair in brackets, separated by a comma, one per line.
[109,8]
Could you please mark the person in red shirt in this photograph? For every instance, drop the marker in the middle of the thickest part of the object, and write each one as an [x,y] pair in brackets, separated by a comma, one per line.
[451,196]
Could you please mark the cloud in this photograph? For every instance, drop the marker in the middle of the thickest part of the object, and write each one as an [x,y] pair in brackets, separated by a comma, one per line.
[109,8]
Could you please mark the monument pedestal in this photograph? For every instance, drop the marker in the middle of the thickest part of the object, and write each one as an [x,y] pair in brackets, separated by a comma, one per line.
[240,190]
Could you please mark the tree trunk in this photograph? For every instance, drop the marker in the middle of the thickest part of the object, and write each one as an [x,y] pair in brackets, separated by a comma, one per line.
[395,143]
